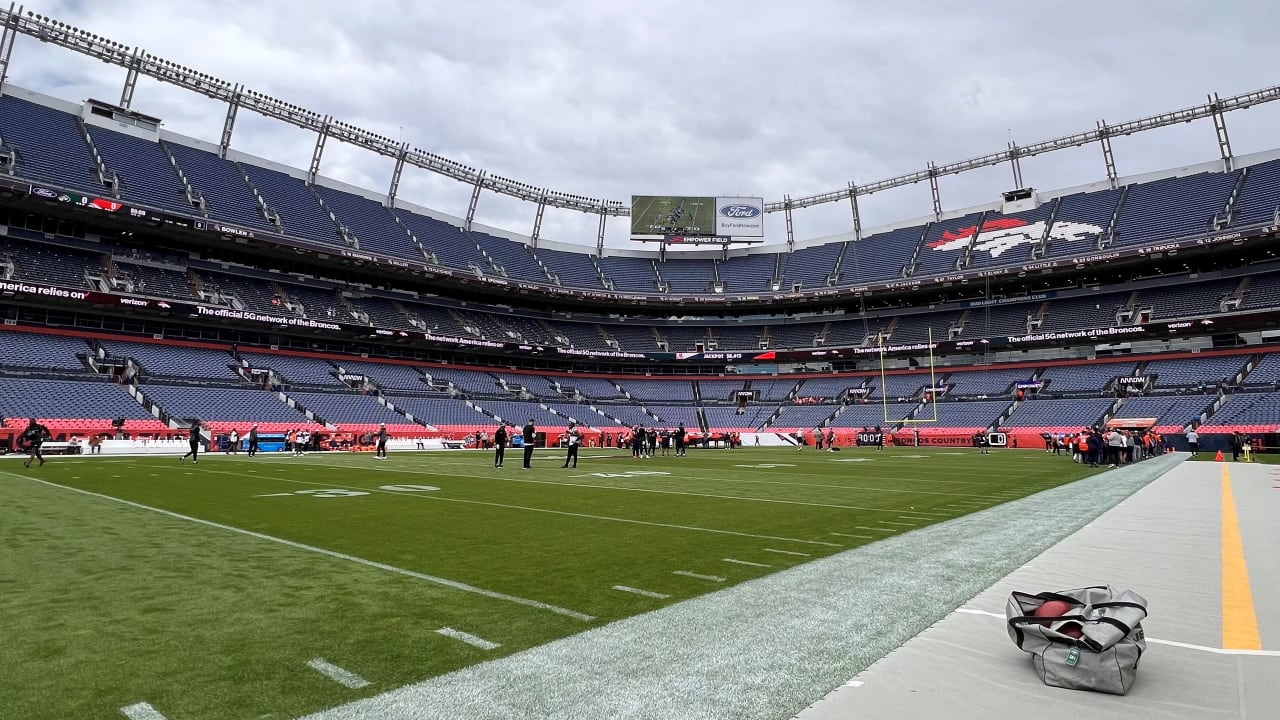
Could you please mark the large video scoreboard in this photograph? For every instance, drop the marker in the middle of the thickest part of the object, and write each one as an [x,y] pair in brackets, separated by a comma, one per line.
[689,217]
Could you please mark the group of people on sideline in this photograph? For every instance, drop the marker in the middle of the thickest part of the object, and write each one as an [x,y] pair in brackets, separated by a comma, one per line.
[1112,447]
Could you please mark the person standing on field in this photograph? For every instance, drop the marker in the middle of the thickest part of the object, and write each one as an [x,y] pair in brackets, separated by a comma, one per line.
[253,440]
[499,445]
[530,435]
[571,451]
[34,436]
[194,440]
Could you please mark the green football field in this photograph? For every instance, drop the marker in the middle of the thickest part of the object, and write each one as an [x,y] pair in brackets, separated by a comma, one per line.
[277,586]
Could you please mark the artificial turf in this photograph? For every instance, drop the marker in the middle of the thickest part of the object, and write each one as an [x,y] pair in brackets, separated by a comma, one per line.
[108,604]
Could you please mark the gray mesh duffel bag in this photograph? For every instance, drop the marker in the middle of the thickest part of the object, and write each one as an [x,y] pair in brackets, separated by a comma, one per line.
[1094,644]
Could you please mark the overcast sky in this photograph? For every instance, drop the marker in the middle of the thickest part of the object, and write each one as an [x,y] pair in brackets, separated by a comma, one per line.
[610,99]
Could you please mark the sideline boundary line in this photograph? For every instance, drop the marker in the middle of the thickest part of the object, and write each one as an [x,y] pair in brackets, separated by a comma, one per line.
[445,582]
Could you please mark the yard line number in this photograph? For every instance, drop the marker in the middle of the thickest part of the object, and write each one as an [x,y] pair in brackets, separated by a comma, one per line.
[343,492]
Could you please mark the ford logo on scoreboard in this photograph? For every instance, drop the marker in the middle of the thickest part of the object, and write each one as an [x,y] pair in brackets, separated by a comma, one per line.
[740,211]
[740,217]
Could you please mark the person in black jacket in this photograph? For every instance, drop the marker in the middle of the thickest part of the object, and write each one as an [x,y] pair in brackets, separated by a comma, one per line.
[530,434]
[34,436]
[499,445]
[380,453]
[194,440]
[571,454]
[253,440]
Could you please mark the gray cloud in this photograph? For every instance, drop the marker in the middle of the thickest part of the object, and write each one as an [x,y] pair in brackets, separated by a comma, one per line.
[610,99]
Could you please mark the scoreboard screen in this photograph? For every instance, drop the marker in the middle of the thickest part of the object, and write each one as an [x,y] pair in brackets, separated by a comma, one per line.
[697,216]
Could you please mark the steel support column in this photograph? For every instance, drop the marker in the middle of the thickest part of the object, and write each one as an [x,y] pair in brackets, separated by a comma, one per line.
[229,124]
[1220,126]
[130,80]
[1017,166]
[857,215]
[1104,137]
[475,200]
[537,219]
[7,40]
[791,234]
[933,188]
[395,176]
[321,136]
[600,233]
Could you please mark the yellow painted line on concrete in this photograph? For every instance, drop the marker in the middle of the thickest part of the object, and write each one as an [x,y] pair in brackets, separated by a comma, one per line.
[1239,621]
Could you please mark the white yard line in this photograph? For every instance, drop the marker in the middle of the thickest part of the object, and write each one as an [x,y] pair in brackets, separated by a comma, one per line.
[566,513]
[746,562]
[849,535]
[638,591]
[141,711]
[469,639]
[787,552]
[696,576]
[343,677]
[330,553]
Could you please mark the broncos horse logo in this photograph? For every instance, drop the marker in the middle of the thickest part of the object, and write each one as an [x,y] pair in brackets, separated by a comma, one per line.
[1002,234]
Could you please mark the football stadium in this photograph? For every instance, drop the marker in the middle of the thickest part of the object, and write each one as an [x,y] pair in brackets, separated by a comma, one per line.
[279,445]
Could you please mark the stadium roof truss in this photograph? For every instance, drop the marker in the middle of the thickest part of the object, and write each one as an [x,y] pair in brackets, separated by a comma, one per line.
[137,62]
